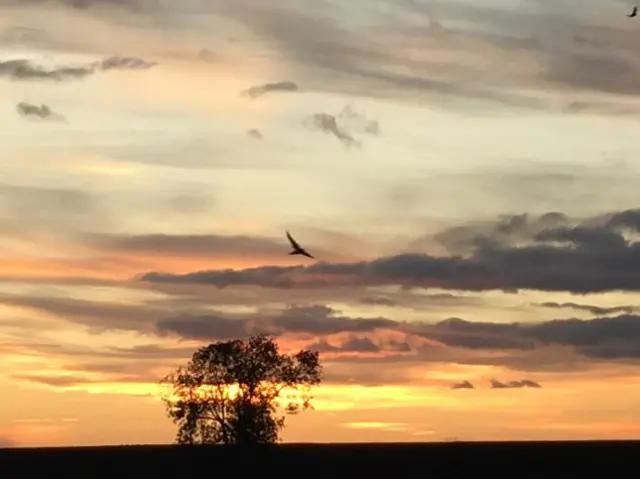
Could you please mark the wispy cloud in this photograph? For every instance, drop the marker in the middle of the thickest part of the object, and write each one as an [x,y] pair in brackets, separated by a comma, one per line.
[342,125]
[329,124]
[463,385]
[43,112]
[124,63]
[254,133]
[260,90]
[22,69]
[592,309]
[524,383]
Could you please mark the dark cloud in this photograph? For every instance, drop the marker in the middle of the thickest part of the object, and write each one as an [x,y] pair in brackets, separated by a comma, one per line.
[343,125]
[260,90]
[316,320]
[463,385]
[595,310]
[43,112]
[598,337]
[606,337]
[26,70]
[253,133]
[507,230]
[205,327]
[524,383]
[615,337]
[594,256]
[479,335]
[21,69]
[124,63]
[602,337]
[360,347]
[329,124]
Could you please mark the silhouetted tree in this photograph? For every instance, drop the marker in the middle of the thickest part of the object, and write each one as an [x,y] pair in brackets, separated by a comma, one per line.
[231,392]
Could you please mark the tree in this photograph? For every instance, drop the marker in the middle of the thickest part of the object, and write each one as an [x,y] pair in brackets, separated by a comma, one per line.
[238,392]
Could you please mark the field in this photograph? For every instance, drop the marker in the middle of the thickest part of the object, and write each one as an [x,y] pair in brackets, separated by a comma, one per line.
[435,460]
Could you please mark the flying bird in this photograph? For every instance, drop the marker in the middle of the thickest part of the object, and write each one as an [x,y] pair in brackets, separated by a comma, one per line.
[633,13]
[297,249]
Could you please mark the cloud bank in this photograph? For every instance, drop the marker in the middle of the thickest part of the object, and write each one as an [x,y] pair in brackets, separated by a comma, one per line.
[593,255]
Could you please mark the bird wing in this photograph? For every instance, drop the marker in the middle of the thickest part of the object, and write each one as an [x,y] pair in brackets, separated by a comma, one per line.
[304,253]
[293,242]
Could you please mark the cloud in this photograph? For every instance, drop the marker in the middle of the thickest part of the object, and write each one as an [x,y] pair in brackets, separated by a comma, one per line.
[21,69]
[260,90]
[319,320]
[463,385]
[26,70]
[124,63]
[44,112]
[253,133]
[329,124]
[547,54]
[135,5]
[479,335]
[364,349]
[599,339]
[595,310]
[524,383]
[602,337]
[343,124]
[597,254]
[354,120]
[436,48]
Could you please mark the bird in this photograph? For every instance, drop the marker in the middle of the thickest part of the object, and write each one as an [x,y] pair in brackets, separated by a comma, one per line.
[297,249]
[633,13]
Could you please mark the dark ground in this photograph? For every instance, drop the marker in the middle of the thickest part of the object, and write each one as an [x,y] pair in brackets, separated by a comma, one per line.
[518,460]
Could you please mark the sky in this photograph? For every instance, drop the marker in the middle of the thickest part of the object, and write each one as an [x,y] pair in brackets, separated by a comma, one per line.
[464,174]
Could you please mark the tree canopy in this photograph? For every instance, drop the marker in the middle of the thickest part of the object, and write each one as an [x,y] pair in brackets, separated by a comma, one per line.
[239,391]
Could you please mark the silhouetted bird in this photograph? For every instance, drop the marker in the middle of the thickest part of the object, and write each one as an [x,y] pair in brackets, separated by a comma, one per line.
[297,249]
[633,13]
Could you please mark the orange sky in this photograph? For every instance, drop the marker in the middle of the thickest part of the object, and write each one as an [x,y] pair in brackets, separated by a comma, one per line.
[469,191]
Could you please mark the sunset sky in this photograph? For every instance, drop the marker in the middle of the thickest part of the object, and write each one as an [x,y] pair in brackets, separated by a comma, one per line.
[466,174]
